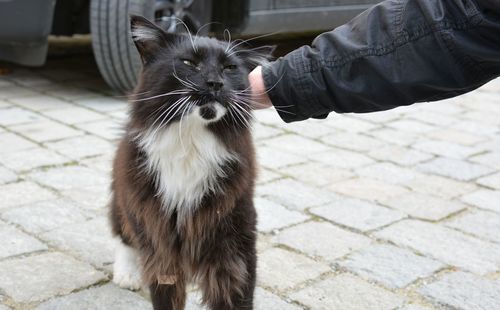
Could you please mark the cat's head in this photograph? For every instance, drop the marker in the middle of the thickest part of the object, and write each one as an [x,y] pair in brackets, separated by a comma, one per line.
[185,75]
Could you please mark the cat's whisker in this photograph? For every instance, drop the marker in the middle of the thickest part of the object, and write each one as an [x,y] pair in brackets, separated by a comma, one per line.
[189,85]
[186,107]
[178,104]
[172,93]
[251,103]
[176,111]
[241,117]
[189,33]
[167,111]
[229,40]
[252,39]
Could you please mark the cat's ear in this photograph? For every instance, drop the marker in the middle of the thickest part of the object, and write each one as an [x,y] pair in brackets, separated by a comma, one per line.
[259,56]
[148,37]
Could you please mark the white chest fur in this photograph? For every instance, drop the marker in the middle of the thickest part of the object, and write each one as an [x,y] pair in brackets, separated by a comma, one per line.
[186,163]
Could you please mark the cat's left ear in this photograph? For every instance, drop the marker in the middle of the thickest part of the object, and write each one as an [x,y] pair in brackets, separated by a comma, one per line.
[148,37]
[257,56]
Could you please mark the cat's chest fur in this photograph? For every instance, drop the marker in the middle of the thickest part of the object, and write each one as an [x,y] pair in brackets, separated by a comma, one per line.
[186,163]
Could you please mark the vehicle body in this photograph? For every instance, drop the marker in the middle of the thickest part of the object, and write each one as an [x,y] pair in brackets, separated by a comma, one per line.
[26,24]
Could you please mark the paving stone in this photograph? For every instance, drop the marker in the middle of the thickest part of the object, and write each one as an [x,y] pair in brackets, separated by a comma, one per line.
[346,292]
[439,186]
[280,274]
[296,145]
[461,290]
[6,176]
[401,138]
[399,155]
[46,215]
[368,189]
[266,175]
[32,158]
[102,163]
[353,141]
[480,223]
[293,194]
[320,239]
[413,307]
[491,159]
[2,307]
[357,214]
[492,181]
[81,147]
[15,116]
[15,242]
[43,131]
[449,106]
[456,136]
[91,240]
[16,92]
[444,244]
[109,129]
[261,132]
[317,174]
[74,115]
[13,143]
[411,126]
[380,116]
[433,118]
[424,206]
[391,266]
[456,169]
[41,103]
[475,127]
[485,199]
[267,300]
[272,216]
[342,159]
[273,158]
[15,194]
[387,172]
[70,177]
[94,198]
[350,124]
[102,104]
[446,149]
[311,129]
[39,277]
[108,296]
[67,92]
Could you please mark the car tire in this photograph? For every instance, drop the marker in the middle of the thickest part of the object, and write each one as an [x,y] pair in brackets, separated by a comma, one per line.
[114,50]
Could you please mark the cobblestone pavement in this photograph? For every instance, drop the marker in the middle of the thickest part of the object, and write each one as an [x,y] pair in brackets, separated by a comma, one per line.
[391,210]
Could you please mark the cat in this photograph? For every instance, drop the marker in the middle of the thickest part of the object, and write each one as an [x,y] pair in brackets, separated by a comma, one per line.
[184,172]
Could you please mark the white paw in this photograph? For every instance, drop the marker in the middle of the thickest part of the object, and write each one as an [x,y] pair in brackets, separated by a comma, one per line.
[126,269]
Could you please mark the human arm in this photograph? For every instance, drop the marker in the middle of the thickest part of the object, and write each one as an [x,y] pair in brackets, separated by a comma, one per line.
[394,54]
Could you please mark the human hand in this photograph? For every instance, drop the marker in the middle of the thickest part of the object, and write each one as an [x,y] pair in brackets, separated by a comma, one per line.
[260,99]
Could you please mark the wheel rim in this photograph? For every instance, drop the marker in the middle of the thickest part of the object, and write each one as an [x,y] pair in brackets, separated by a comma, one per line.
[170,13]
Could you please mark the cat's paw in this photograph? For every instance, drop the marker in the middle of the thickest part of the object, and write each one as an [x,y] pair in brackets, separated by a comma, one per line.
[131,281]
[126,269]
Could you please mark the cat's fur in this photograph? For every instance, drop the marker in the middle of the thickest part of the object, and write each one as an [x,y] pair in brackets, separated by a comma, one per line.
[184,172]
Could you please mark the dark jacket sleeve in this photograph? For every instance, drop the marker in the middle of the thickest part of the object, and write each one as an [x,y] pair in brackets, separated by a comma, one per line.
[394,54]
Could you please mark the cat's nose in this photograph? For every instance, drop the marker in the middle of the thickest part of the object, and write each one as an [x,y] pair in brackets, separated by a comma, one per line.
[215,85]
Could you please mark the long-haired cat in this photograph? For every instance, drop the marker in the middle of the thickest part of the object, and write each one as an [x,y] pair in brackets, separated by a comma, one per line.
[184,172]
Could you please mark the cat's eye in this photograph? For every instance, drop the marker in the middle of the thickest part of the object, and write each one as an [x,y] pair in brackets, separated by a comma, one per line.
[230,67]
[189,63]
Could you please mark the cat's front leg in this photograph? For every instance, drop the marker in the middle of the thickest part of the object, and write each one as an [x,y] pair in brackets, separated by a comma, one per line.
[126,269]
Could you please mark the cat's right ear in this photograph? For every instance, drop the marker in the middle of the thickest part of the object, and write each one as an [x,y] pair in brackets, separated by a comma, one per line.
[148,38]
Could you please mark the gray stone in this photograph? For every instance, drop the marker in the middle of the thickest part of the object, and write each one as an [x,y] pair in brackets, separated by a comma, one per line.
[317,174]
[103,297]
[95,198]
[461,290]
[43,131]
[81,147]
[346,292]
[411,126]
[103,163]
[433,118]
[272,216]
[13,116]
[391,266]
[266,175]
[388,173]
[480,223]
[439,186]
[491,159]
[342,159]
[492,181]
[456,169]
[352,141]
[70,177]
[275,159]
[33,158]
[109,129]
[47,215]
[368,189]
[474,127]
[2,307]
[424,206]
[456,136]
[398,137]
[14,143]
[311,129]
[265,300]
[6,176]
[446,149]
[15,194]
[15,242]
[261,132]
[275,272]
[41,103]
[16,92]
[445,244]
[485,199]
[294,195]
[350,124]
[91,240]
[297,145]
[102,104]
[39,277]
[354,213]
[74,115]
[399,155]
[320,239]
